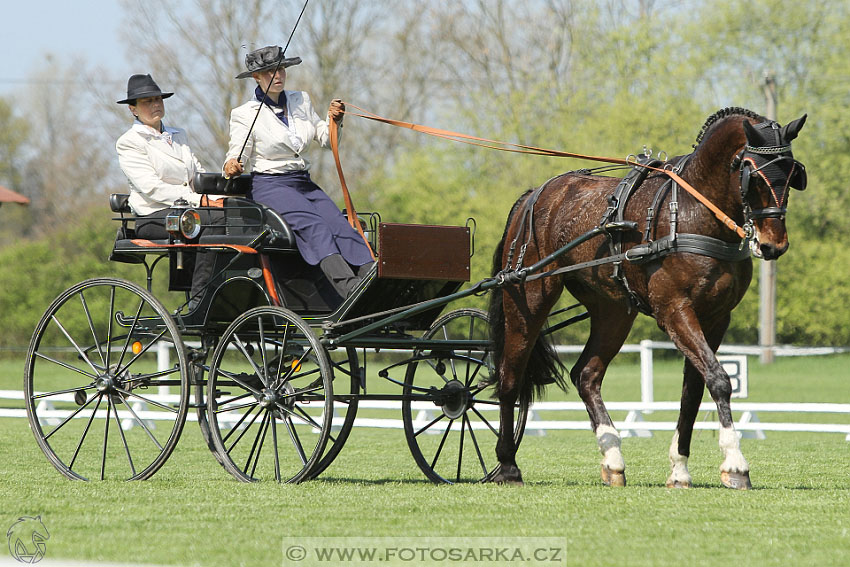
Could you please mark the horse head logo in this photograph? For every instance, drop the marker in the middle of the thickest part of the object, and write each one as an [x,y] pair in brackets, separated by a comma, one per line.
[26,539]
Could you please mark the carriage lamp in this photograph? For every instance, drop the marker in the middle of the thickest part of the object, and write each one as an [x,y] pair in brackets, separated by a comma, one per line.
[182,223]
[190,224]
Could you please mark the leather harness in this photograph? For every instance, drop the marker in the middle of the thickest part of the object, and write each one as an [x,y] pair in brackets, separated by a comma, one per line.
[612,225]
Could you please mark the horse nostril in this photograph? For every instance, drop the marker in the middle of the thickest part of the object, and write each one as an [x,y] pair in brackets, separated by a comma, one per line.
[771,251]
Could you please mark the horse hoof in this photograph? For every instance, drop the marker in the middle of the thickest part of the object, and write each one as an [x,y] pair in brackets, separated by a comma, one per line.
[678,483]
[738,481]
[508,475]
[613,478]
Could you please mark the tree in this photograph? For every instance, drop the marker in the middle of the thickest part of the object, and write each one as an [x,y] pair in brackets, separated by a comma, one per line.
[14,132]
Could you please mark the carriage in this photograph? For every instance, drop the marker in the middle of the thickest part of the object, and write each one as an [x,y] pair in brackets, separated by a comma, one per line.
[273,363]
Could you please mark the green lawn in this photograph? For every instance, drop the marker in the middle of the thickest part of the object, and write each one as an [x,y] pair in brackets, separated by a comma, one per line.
[193,513]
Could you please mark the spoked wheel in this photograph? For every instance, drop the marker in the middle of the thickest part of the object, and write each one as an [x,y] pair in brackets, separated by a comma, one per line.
[346,370]
[269,396]
[92,382]
[451,418]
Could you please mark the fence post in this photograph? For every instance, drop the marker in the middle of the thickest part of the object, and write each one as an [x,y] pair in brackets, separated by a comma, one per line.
[163,362]
[646,371]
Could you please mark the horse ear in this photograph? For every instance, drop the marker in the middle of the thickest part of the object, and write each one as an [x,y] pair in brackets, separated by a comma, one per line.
[750,132]
[790,131]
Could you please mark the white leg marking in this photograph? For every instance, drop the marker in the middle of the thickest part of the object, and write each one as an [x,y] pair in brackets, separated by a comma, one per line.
[679,465]
[733,459]
[608,439]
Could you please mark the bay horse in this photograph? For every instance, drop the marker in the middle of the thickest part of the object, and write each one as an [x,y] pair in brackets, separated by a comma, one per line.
[676,262]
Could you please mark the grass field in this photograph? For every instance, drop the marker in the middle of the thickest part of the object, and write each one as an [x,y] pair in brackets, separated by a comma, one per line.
[193,513]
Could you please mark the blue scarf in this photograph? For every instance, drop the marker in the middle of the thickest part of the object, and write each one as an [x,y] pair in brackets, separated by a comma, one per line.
[279,108]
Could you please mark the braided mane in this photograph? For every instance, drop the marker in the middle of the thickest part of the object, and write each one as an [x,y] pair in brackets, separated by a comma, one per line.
[720,114]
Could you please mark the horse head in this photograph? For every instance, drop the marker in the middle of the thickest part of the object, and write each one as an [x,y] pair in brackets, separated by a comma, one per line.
[768,172]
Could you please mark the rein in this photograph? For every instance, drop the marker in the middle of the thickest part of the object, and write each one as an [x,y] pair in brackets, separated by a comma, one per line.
[532,150]
[349,205]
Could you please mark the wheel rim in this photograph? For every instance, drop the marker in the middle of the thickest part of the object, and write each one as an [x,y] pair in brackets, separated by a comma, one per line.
[346,370]
[92,384]
[269,397]
[450,416]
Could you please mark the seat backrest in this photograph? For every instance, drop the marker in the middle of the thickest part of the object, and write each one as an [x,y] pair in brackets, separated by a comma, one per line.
[120,203]
[217,184]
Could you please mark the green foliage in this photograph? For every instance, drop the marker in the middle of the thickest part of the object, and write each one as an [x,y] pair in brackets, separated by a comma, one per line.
[35,272]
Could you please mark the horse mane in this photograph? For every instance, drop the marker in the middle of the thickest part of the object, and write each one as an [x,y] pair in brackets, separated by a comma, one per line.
[723,113]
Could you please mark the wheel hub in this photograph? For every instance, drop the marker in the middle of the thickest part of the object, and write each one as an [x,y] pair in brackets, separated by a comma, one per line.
[455,398]
[268,398]
[105,383]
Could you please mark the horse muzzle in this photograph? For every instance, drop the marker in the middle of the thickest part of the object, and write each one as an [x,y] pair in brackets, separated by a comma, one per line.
[769,243]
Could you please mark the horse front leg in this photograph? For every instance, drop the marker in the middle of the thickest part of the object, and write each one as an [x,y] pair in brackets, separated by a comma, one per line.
[692,390]
[685,331]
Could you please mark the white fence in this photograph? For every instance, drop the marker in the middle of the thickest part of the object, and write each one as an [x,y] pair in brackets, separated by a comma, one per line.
[634,424]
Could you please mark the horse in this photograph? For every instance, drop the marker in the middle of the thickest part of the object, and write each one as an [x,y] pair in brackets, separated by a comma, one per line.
[648,248]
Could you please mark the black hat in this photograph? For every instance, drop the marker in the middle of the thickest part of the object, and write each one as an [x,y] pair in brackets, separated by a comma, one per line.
[142,86]
[266,58]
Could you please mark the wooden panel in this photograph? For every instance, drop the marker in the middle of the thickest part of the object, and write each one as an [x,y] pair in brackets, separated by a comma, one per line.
[423,252]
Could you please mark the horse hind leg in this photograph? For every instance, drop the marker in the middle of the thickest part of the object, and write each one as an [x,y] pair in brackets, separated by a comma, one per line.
[520,366]
[603,344]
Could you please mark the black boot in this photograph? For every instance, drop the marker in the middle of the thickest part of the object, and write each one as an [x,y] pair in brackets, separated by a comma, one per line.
[339,273]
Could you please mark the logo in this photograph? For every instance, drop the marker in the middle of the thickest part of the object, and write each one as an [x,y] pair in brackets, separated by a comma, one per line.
[26,539]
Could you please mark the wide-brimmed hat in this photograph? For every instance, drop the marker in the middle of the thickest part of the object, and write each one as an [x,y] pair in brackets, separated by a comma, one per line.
[142,86]
[265,58]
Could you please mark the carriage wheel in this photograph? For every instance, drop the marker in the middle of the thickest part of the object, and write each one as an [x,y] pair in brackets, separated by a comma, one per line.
[451,419]
[346,367]
[269,396]
[91,382]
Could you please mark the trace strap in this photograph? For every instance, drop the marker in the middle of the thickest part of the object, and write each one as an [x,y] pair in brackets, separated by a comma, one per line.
[523,149]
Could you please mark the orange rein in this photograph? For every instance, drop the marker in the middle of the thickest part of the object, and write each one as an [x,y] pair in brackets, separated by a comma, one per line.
[522,149]
[349,205]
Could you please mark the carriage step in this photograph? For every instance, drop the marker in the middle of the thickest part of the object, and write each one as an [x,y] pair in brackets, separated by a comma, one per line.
[621,225]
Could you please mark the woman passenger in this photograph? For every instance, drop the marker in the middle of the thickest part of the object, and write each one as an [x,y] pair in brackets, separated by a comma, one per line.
[160,169]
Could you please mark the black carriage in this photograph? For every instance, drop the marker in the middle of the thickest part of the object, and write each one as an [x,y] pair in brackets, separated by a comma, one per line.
[271,363]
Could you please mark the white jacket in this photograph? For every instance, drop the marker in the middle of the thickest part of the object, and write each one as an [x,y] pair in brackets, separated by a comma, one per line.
[272,146]
[159,172]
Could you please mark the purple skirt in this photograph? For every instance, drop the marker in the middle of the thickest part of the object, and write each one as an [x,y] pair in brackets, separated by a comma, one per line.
[319,226]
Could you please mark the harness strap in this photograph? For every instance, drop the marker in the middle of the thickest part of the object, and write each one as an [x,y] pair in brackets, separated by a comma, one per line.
[688,243]
[527,216]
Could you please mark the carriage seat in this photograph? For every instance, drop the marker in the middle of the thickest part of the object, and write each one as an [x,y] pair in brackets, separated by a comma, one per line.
[245,220]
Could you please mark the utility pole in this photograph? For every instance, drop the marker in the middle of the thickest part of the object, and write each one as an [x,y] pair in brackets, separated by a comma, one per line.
[767,279]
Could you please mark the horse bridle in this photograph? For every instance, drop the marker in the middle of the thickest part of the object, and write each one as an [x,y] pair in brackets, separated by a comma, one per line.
[754,161]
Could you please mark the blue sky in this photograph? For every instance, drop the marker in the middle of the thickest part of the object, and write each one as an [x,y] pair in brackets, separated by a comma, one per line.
[65,28]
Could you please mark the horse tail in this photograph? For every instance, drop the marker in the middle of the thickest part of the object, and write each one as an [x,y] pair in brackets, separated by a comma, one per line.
[544,367]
